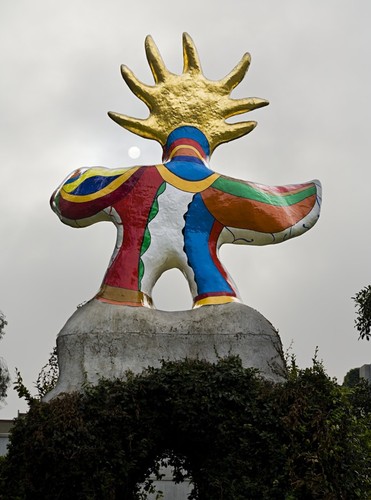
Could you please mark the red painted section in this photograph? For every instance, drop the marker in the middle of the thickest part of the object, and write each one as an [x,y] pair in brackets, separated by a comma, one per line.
[136,206]
[185,142]
[213,240]
[213,294]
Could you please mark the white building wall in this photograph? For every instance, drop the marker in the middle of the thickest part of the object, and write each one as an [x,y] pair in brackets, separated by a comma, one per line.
[4,440]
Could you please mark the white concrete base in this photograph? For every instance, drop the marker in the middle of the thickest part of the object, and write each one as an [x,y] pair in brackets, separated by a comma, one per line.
[102,340]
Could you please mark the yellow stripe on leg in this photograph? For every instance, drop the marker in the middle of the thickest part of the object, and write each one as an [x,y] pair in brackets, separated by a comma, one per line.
[219,299]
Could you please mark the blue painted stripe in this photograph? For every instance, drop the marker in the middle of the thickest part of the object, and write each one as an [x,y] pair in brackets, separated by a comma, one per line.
[190,159]
[93,184]
[197,229]
[188,132]
[189,170]
[72,179]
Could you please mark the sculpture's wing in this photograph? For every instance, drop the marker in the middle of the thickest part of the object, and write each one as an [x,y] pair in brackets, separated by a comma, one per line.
[259,215]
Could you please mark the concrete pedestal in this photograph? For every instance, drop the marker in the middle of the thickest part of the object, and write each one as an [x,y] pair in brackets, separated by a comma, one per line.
[102,340]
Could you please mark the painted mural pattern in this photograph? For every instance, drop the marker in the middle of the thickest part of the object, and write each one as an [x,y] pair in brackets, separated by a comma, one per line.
[177,214]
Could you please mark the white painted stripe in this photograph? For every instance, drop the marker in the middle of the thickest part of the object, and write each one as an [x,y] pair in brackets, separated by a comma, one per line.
[167,243]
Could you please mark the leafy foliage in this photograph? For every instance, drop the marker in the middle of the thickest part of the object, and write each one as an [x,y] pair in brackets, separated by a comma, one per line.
[4,380]
[48,375]
[22,391]
[45,382]
[360,398]
[351,378]
[4,374]
[362,301]
[236,435]
[3,324]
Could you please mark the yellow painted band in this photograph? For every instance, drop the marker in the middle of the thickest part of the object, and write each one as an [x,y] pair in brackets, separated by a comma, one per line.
[102,192]
[124,296]
[220,299]
[189,186]
[186,146]
[91,172]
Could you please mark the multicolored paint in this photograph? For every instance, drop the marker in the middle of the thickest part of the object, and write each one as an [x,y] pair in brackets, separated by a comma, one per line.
[177,215]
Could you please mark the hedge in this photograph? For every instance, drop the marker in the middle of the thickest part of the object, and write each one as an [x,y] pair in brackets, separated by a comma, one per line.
[234,434]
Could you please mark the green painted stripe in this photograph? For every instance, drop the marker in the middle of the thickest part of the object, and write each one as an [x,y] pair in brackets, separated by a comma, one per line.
[146,241]
[147,235]
[161,189]
[154,208]
[140,271]
[242,190]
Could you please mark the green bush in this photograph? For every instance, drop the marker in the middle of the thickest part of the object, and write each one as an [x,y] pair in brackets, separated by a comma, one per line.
[362,301]
[351,378]
[234,434]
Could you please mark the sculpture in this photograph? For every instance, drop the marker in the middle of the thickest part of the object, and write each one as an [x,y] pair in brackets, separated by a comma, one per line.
[177,214]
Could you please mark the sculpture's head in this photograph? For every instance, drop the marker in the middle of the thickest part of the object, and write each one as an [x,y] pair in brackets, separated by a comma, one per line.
[188,99]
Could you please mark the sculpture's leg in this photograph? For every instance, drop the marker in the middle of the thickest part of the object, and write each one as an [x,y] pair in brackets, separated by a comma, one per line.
[132,214]
[201,232]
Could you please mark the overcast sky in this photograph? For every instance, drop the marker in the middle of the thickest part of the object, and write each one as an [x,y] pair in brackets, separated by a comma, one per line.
[60,75]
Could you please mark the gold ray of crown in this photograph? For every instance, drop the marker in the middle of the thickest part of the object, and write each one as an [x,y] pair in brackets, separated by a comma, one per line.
[188,99]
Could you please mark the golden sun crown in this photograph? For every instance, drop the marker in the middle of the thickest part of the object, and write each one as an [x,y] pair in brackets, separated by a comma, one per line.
[188,99]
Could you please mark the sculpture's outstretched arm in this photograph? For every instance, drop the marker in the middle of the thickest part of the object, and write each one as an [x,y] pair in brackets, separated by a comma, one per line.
[255,214]
[84,196]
